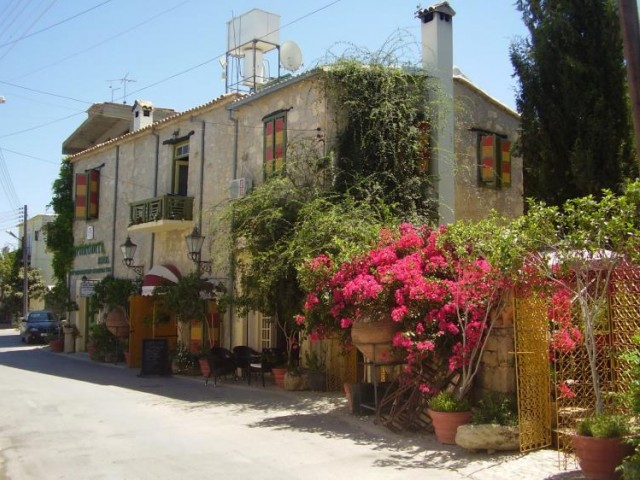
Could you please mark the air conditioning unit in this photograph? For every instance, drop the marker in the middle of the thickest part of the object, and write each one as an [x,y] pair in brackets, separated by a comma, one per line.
[239,187]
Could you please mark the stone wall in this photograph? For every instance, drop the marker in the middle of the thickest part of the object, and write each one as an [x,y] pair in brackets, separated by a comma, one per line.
[497,371]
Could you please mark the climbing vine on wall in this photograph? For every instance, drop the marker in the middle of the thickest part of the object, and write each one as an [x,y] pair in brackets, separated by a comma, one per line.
[385,120]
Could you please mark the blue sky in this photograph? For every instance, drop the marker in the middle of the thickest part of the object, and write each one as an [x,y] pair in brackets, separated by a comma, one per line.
[57,57]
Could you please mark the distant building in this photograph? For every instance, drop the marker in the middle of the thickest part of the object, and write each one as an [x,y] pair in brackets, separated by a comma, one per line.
[38,256]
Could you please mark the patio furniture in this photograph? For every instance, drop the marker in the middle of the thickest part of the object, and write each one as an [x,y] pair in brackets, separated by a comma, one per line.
[249,361]
[222,362]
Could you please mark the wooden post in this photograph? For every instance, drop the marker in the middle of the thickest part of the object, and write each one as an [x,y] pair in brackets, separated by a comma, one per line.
[628,13]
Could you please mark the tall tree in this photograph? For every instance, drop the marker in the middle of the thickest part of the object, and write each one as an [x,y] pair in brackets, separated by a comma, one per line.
[572,97]
[60,231]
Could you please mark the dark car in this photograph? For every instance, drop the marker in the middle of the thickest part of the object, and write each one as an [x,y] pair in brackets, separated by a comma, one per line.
[39,326]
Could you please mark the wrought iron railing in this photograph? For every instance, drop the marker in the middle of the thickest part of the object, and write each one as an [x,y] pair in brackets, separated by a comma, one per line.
[166,207]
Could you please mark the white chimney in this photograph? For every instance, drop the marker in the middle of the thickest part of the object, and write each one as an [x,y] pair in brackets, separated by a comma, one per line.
[142,114]
[437,60]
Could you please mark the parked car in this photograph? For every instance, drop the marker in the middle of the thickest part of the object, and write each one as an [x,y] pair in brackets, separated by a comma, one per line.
[39,326]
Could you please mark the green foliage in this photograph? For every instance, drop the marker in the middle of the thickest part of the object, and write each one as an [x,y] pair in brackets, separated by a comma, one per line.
[58,300]
[314,361]
[576,136]
[60,231]
[604,425]
[103,340]
[495,408]
[184,298]
[563,245]
[114,292]
[184,360]
[631,464]
[445,401]
[382,107]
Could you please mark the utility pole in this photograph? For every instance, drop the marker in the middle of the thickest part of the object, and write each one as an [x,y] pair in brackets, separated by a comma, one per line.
[25,266]
[628,13]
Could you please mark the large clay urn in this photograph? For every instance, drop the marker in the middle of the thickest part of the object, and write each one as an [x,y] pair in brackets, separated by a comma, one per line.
[117,322]
[374,339]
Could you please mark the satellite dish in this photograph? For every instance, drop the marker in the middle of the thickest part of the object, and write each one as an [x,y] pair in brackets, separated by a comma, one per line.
[290,56]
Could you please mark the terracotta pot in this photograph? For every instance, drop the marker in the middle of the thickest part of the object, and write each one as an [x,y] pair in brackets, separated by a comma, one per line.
[446,424]
[599,457]
[278,375]
[205,368]
[373,339]
[117,322]
[56,345]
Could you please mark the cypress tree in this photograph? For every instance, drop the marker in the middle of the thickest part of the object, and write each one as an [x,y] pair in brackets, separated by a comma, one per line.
[576,136]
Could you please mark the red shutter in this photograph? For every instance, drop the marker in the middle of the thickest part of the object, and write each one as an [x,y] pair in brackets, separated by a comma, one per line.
[268,147]
[94,193]
[279,143]
[488,159]
[81,196]
[505,162]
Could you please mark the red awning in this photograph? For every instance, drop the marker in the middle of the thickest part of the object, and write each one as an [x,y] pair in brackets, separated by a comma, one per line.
[164,274]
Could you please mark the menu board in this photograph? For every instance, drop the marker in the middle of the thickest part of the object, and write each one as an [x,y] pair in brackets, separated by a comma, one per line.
[155,357]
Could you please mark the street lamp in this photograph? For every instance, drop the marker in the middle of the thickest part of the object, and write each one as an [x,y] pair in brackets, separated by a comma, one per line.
[194,250]
[128,249]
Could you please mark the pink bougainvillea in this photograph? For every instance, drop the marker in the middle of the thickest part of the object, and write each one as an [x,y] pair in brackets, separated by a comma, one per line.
[440,300]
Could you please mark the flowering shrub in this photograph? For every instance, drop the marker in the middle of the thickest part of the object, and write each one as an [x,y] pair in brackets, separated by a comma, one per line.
[440,298]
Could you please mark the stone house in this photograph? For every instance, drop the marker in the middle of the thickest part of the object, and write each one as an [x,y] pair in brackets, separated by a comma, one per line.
[160,176]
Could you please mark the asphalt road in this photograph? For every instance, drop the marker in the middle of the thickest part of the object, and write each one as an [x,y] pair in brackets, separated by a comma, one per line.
[64,417]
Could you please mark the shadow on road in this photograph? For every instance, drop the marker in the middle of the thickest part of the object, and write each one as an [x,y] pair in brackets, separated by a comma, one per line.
[311,412]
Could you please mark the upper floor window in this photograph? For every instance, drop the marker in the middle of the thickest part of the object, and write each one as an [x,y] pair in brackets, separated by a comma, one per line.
[87,197]
[180,168]
[494,161]
[275,137]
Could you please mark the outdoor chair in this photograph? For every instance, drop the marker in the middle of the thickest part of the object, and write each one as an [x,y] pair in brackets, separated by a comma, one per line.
[249,361]
[221,362]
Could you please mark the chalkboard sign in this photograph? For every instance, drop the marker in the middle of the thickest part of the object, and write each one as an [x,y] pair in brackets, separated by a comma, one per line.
[155,357]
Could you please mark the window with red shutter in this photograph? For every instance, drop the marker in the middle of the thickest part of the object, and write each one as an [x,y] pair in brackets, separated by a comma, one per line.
[274,143]
[494,161]
[81,196]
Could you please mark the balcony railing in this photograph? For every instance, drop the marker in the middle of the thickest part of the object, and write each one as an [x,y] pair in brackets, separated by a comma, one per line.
[166,207]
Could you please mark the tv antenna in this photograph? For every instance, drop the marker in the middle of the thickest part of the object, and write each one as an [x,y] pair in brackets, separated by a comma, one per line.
[123,81]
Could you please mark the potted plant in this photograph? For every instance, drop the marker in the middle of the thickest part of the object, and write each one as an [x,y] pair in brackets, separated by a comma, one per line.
[575,253]
[56,341]
[600,445]
[494,425]
[438,288]
[104,343]
[111,295]
[186,299]
[316,370]
[448,412]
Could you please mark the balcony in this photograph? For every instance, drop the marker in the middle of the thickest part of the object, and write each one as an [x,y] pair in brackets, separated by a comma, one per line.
[161,214]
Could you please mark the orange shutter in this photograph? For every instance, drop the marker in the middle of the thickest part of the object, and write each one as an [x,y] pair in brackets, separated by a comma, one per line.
[94,193]
[505,162]
[81,196]
[488,159]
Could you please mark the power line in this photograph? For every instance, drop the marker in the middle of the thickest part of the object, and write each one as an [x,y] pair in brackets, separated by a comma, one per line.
[55,24]
[45,93]
[7,184]
[42,125]
[145,87]
[218,55]
[106,40]
[29,28]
